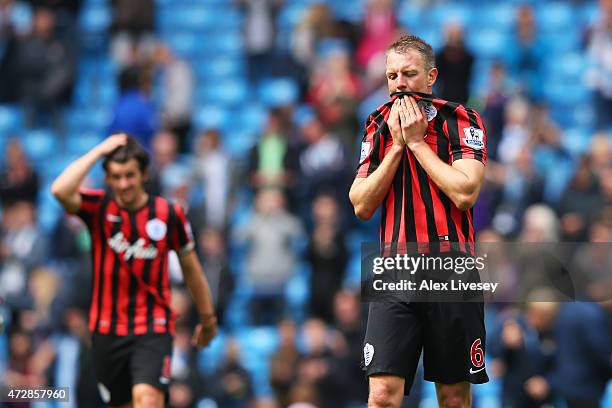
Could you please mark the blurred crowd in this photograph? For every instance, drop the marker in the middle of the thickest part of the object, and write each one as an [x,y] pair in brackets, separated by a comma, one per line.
[274,229]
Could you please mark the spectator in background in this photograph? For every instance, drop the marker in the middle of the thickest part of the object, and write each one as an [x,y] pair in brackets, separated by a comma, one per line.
[584,362]
[164,155]
[22,247]
[133,42]
[133,112]
[519,186]
[319,367]
[334,93]
[600,76]
[18,180]
[177,84]
[601,153]
[327,255]
[379,30]
[213,256]
[270,235]
[15,22]
[283,363]
[348,322]
[212,167]
[524,351]
[316,25]
[454,62]
[28,361]
[516,132]
[496,98]
[579,203]
[186,386]
[323,165]
[260,35]
[272,161]
[524,54]
[45,70]
[234,388]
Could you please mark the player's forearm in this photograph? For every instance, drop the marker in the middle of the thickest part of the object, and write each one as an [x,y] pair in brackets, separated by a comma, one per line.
[68,182]
[367,195]
[456,184]
[198,288]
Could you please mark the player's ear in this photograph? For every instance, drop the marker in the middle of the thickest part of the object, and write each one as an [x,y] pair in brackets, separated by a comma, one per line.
[432,75]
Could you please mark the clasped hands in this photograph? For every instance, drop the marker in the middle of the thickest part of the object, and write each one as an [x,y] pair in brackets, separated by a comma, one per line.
[407,122]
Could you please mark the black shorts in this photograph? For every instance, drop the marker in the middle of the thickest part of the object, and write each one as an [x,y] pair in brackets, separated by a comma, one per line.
[452,335]
[123,361]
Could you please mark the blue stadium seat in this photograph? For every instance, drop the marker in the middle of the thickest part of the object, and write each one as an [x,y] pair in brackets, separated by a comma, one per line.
[278,92]
[80,143]
[563,41]
[354,13]
[185,45]
[297,292]
[49,210]
[95,19]
[252,118]
[409,16]
[442,14]
[290,15]
[487,42]
[11,119]
[496,15]
[228,93]
[238,142]
[223,67]
[191,18]
[555,16]
[211,117]
[40,144]
[210,357]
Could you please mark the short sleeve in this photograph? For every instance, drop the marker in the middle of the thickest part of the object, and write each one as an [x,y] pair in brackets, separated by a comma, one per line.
[181,236]
[467,135]
[91,201]
[371,151]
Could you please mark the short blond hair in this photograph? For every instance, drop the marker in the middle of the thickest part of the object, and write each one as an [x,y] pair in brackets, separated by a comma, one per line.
[412,42]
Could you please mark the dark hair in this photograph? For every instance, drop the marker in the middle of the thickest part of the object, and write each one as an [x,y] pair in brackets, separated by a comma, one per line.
[129,79]
[412,42]
[131,150]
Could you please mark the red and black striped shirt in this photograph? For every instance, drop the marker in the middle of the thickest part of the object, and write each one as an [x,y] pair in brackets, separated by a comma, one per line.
[415,210]
[131,288]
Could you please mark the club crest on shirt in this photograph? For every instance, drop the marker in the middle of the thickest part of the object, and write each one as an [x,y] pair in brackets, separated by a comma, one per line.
[368,353]
[156,229]
[473,137]
[429,109]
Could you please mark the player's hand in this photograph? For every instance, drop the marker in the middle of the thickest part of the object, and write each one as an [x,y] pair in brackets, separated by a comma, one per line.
[205,332]
[111,143]
[413,121]
[394,124]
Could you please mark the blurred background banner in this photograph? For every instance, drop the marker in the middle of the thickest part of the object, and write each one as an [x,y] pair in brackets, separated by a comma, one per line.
[253,112]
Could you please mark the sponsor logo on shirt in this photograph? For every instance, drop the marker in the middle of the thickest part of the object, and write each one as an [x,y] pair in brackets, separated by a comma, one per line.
[137,250]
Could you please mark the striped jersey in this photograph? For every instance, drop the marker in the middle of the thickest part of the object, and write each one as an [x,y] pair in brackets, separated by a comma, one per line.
[415,210]
[131,288]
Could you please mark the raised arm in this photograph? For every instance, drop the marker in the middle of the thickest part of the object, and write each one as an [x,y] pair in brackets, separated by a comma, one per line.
[66,186]
[461,182]
[366,194]
[200,293]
